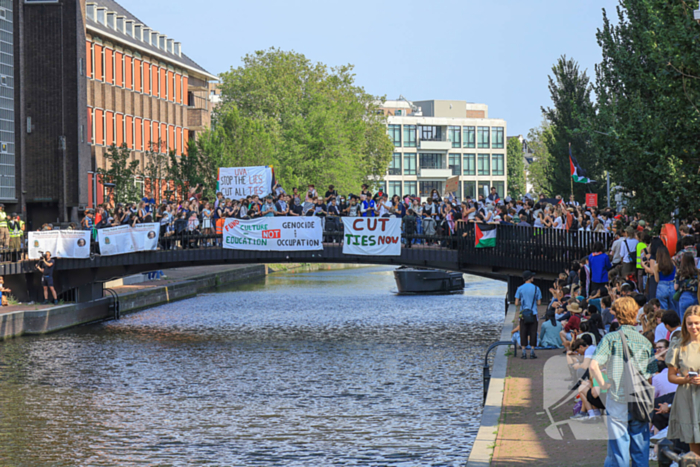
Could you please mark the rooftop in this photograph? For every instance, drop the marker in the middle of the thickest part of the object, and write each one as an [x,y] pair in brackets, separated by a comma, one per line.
[110,19]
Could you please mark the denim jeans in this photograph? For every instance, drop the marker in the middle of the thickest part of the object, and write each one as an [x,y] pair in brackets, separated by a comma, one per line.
[688,299]
[419,229]
[664,292]
[627,438]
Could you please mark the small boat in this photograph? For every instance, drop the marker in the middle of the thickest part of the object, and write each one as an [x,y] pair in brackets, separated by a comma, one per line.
[411,280]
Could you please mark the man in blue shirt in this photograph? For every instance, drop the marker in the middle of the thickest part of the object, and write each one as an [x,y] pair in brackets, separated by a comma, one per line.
[528,297]
[368,206]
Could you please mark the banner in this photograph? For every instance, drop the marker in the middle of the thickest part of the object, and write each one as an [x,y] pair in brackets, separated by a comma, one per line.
[372,236]
[452,185]
[60,243]
[239,182]
[274,234]
[592,200]
[126,239]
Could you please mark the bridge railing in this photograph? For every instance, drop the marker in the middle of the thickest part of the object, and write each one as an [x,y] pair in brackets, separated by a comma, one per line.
[523,248]
[540,250]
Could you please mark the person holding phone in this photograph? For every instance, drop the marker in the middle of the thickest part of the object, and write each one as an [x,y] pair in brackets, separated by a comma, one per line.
[683,361]
[45,266]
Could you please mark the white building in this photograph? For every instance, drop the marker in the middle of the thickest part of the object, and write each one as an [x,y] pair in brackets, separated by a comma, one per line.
[438,139]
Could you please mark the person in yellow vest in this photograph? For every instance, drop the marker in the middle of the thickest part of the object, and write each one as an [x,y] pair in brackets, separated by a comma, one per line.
[15,229]
[4,231]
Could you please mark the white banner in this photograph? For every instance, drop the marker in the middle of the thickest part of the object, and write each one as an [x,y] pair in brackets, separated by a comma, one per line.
[126,239]
[372,236]
[239,182]
[274,234]
[60,243]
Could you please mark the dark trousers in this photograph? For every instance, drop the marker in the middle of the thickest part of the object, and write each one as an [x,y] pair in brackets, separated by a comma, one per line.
[660,420]
[528,331]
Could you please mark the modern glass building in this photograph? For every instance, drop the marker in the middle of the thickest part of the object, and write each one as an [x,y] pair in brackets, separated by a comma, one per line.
[439,139]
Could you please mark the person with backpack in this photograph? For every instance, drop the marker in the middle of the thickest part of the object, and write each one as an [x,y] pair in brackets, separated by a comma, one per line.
[629,359]
[527,298]
[409,226]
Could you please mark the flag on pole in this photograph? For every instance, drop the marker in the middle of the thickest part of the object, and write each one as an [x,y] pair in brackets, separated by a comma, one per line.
[578,175]
[485,235]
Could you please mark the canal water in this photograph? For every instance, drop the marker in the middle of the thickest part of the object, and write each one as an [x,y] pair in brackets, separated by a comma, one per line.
[307,368]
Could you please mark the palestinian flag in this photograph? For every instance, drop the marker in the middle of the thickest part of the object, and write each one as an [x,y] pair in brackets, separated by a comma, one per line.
[485,235]
[577,173]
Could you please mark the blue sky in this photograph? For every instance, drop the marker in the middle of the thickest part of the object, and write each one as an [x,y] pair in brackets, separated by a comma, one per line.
[488,51]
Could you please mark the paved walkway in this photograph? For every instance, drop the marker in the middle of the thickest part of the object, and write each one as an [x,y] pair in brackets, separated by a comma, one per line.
[535,428]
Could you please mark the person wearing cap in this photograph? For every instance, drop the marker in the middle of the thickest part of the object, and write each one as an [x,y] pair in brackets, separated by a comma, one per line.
[527,298]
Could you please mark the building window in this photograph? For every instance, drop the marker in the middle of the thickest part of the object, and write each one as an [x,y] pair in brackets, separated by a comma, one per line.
[409,163]
[395,134]
[483,137]
[80,66]
[395,166]
[470,189]
[426,188]
[500,188]
[432,161]
[497,137]
[469,139]
[409,136]
[497,164]
[394,189]
[411,188]
[430,133]
[469,164]
[483,164]
[455,163]
[484,189]
[138,183]
[454,135]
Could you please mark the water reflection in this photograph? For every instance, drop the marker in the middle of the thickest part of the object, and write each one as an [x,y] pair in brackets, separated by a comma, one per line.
[295,369]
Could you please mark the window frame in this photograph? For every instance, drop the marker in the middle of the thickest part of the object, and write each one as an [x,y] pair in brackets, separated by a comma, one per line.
[453,130]
[393,131]
[410,157]
[480,132]
[497,137]
[412,132]
[450,159]
[393,169]
[498,164]
[469,137]
[480,159]
[471,158]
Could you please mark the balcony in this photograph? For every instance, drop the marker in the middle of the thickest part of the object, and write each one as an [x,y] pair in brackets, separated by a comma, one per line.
[435,173]
[435,145]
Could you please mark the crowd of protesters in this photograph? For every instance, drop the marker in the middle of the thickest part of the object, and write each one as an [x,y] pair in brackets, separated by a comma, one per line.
[639,292]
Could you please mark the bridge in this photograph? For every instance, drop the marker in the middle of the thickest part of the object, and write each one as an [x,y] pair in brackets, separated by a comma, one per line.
[544,251]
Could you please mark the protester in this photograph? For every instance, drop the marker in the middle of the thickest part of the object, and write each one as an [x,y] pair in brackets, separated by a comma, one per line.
[528,297]
[686,284]
[683,361]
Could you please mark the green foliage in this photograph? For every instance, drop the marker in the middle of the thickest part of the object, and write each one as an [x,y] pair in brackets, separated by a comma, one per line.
[312,123]
[157,169]
[122,170]
[189,169]
[516,168]
[542,167]
[570,90]
[648,88]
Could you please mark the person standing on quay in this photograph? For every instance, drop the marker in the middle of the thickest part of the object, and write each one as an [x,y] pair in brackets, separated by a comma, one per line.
[628,438]
[527,297]
[683,361]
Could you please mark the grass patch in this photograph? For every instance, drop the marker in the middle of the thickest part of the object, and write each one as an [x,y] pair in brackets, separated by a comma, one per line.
[11,300]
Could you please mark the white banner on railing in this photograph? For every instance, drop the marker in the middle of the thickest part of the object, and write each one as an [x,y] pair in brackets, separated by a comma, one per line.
[60,243]
[126,239]
[239,182]
[274,234]
[372,236]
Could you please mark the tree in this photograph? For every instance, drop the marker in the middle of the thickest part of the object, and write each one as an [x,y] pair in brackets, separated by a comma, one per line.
[156,170]
[122,171]
[570,90]
[516,168]
[542,166]
[311,122]
[648,88]
[189,169]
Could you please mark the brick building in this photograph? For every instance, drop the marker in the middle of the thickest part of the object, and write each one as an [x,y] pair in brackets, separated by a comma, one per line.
[90,75]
